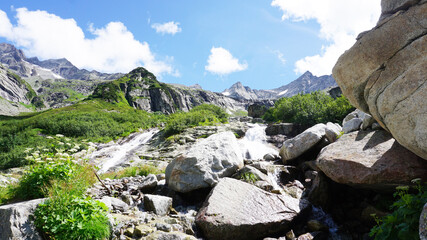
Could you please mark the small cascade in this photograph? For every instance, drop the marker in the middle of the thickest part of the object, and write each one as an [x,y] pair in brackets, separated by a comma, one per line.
[254,144]
[117,153]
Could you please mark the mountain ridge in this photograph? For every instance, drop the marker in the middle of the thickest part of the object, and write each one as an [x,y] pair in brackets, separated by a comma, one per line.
[306,83]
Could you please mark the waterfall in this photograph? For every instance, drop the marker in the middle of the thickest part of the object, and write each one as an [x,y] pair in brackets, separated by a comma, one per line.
[254,144]
[117,153]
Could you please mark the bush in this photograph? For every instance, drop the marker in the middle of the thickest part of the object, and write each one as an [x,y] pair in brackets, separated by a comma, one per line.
[72,217]
[404,221]
[202,115]
[309,109]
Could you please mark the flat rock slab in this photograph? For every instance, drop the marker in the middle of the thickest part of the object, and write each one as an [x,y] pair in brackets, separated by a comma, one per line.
[15,222]
[238,210]
[371,160]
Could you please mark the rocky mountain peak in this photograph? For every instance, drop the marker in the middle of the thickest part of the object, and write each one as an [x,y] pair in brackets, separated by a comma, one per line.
[139,73]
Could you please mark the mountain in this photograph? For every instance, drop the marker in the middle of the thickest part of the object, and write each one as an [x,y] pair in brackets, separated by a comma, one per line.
[16,95]
[306,83]
[140,89]
[15,60]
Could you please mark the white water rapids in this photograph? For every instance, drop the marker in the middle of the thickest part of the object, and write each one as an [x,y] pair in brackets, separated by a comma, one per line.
[254,144]
[117,153]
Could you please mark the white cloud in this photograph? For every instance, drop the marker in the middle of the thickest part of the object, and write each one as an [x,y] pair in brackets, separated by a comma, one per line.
[221,62]
[280,56]
[112,49]
[340,23]
[169,28]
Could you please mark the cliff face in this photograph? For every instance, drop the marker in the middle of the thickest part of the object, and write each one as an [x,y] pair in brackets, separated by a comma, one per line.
[384,73]
[141,90]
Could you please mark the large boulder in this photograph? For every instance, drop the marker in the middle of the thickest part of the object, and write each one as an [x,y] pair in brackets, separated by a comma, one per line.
[237,210]
[384,73]
[205,163]
[16,223]
[295,147]
[370,159]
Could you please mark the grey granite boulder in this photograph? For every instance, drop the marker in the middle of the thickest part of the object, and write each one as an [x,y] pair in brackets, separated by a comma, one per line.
[160,205]
[15,221]
[205,163]
[238,210]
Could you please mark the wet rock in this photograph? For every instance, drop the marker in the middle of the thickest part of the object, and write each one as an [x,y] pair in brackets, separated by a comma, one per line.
[238,210]
[160,205]
[314,226]
[370,159]
[205,163]
[293,148]
[318,191]
[270,157]
[16,223]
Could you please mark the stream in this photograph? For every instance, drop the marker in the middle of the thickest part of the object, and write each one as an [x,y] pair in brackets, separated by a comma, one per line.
[110,155]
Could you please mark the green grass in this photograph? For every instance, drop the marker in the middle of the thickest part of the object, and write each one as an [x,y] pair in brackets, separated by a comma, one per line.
[94,120]
[140,170]
[202,115]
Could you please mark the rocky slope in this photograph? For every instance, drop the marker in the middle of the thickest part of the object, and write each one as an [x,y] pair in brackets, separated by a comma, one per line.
[15,94]
[306,83]
[141,90]
[25,67]
[384,73]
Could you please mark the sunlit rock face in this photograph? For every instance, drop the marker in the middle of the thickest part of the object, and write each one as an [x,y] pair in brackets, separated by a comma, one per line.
[384,73]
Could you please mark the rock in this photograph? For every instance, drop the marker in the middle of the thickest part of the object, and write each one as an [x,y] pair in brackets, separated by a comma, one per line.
[293,148]
[318,191]
[270,157]
[314,226]
[281,128]
[370,159]
[238,210]
[205,163]
[169,236]
[16,222]
[142,230]
[383,74]
[423,223]
[332,131]
[290,235]
[257,110]
[350,116]
[352,125]
[367,122]
[115,204]
[163,227]
[160,205]
[312,236]
[148,184]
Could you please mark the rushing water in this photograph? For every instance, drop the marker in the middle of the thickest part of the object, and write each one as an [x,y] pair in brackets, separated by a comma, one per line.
[115,154]
[254,144]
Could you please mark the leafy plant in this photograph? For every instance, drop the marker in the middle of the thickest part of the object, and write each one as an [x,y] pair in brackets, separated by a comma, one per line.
[72,217]
[309,109]
[404,221]
[249,177]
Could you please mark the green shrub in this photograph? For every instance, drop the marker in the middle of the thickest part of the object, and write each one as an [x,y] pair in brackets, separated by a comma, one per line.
[202,115]
[309,109]
[404,221]
[249,177]
[72,217]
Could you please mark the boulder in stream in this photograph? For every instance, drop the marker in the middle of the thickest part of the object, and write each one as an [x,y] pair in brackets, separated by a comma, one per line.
[205,163]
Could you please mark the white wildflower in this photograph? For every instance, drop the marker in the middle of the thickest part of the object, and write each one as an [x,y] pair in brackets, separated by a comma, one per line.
[60,143]
[59,135]
[49,137]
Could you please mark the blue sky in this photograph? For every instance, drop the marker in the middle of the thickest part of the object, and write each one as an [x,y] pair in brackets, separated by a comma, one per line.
[263,44]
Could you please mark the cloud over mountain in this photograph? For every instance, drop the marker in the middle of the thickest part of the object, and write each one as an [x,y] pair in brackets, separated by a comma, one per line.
[112,48]
[221,62]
